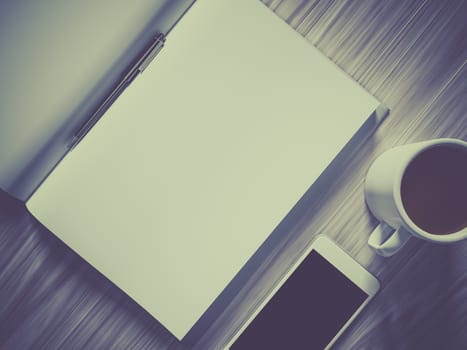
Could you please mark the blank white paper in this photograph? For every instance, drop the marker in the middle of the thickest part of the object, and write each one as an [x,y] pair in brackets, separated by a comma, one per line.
[198,161]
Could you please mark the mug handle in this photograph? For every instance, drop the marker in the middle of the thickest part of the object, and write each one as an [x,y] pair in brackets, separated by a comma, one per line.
[386,240]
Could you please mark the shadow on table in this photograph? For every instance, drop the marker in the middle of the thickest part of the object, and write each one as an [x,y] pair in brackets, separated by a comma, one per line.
[424,305]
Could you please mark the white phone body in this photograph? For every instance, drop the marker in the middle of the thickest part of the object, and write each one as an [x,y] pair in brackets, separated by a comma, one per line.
[339,259]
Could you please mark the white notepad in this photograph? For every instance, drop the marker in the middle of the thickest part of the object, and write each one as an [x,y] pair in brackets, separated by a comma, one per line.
[198,161]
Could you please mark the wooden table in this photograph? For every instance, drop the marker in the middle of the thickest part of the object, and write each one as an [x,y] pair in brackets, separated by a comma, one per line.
[412,56]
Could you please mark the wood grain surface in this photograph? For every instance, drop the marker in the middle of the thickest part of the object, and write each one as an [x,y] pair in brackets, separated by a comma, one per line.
[412,56]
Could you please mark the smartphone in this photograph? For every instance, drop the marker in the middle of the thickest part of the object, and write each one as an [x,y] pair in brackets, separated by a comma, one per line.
[312,305]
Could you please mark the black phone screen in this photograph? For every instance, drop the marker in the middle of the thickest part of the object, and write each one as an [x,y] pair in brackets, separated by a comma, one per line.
[306,312]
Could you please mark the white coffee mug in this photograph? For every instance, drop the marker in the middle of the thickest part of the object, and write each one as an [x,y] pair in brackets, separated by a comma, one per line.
[383,197]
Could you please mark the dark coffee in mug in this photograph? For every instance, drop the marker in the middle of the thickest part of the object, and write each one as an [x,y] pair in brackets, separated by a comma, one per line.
[434,189]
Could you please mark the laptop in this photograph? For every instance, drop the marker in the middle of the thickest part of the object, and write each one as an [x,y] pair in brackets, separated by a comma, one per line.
[172,182]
